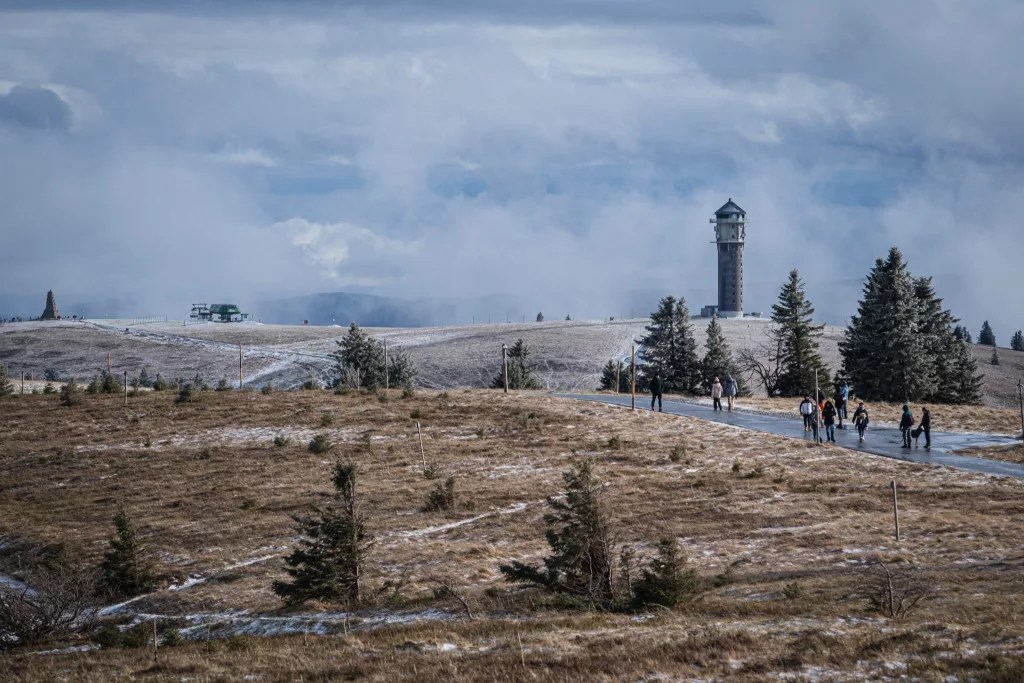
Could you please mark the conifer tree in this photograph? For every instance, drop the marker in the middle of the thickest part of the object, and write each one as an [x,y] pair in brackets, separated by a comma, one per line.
[329,560]
[580,536]
[609,372]
[540,317]
[994,360]
[797,339]
[883,352]
[717,360]
[364,355]
[70,393]
[962,334]
[126,569]
[670,349]
[6,388]
[954,371]
[902,344]
[667,581]
[986,337]
[520,369]
[1017,341]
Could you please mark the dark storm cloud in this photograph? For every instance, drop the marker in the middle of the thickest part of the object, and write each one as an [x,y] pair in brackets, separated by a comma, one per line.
[35,107]
[519,11]
[561,152]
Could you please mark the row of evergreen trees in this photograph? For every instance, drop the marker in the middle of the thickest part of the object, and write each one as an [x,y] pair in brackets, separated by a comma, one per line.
[901,344]
[987,337]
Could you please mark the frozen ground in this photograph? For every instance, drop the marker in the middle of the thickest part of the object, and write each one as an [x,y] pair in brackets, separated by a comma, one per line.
[568,354]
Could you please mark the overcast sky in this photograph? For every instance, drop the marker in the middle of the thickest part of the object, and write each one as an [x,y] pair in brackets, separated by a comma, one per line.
[558,151]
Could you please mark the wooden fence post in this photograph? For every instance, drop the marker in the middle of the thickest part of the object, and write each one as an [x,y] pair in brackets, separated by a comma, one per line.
[895,509]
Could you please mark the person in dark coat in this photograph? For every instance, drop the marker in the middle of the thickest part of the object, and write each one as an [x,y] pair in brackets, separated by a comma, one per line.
[731,389]
[906,422]
[926,428]
[837,400]
[829,418]
[656,392]
[861,420]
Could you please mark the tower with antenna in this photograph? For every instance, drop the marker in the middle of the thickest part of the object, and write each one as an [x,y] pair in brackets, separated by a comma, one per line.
[730,235]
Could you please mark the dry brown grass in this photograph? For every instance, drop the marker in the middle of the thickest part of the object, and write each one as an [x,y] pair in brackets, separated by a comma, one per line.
[790,535]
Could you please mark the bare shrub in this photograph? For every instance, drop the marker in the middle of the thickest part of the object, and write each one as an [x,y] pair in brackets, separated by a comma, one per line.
[895,593]
[60,599]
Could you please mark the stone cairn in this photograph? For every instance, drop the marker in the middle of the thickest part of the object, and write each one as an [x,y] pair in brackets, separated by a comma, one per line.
[50,312]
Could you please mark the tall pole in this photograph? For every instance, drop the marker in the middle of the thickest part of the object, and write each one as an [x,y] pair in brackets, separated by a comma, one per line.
[239,366]
[1020,397]
[618,368]
[126,387]
[817,410]
[504,365]
[108,362]
[22,382]
[632,376]
[387,384]
[895,509]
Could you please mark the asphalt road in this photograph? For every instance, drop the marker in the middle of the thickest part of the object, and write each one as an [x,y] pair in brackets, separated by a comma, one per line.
[883,441]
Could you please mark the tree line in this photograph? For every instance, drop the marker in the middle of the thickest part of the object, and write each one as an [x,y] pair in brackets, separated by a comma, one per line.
[902,345]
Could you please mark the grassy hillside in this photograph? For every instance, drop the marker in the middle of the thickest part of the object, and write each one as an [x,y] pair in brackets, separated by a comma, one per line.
[783,533]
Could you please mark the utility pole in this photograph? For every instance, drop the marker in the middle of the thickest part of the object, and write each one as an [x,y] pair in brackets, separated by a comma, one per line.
[239,366]
[126,387]
[108,362]
[504,365]
[387,384]
[632,376]
[618,368]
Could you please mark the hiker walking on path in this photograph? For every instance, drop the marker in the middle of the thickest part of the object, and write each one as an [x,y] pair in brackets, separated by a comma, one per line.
[829,416]
[906,422]
[815,422]
[806,409]
[844,389]
[860,420]
[837,401]
[716,394]
[656,392]
[924,428]
[731,389]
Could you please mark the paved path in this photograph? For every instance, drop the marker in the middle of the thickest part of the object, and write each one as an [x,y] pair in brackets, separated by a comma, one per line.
[884,441]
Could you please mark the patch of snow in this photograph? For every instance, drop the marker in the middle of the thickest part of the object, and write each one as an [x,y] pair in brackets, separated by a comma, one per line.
[416,533]
[89,647]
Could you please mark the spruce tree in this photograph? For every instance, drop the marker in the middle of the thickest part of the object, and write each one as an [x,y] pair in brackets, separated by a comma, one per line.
[797,339]
[667,581]
[669,348]
[717,360]
[540,317]
[364,355]
[615,369]
[883,352]
[986,337]
[6,388]
[333,543]
[520,369]
[1017,341]
[126,569]
[579,533]
[994,360]
[902,345]
[962,334]
[70,393]
[954,371]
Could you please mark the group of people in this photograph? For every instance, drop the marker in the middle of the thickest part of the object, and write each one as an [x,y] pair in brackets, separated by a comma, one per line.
[730,389]
[826,412]
[829,412]
[909,431]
